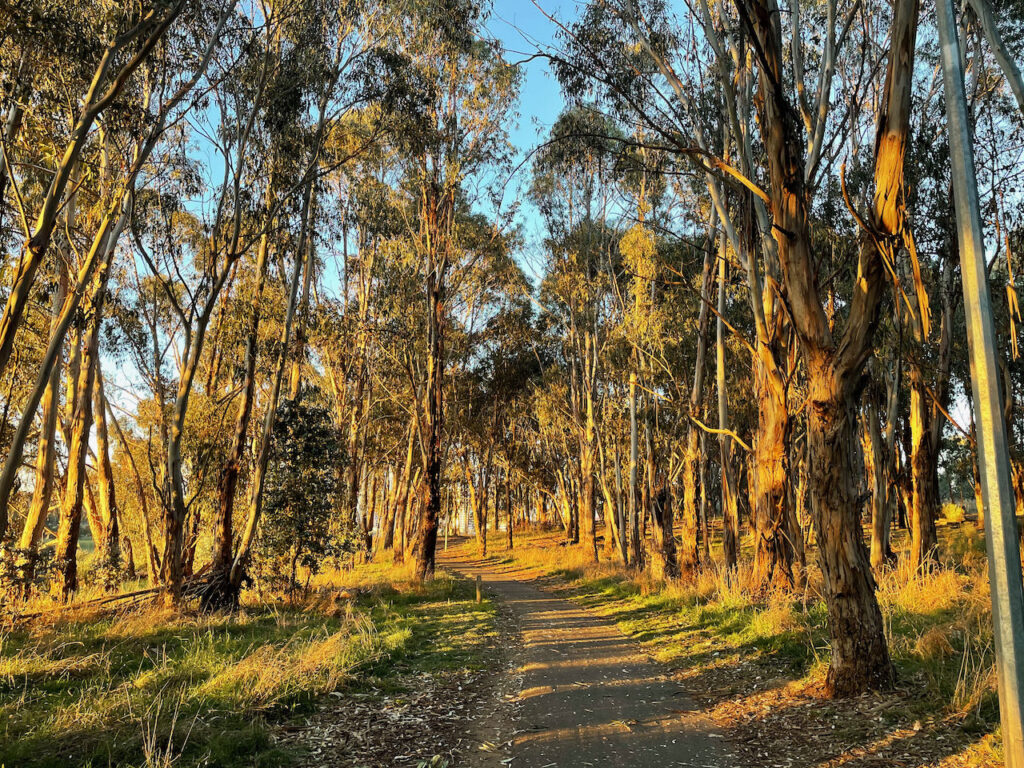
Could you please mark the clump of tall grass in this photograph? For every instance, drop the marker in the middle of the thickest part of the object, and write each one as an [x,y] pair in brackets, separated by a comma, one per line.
[939,625]
[306,666]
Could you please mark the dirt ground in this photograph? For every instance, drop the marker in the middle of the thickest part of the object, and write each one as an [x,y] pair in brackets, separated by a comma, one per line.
[587,695]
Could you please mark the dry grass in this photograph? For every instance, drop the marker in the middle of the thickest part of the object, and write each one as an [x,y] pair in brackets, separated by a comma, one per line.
[149,687]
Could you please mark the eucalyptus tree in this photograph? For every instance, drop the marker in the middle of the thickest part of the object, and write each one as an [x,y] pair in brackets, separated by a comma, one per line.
[799,131]
[160,101]
[104,55]
[453,91]
[573,175]
[682,104]
[834,365]
[309,85]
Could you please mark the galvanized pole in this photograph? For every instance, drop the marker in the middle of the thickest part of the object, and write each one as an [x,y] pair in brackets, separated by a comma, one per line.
[1004,569]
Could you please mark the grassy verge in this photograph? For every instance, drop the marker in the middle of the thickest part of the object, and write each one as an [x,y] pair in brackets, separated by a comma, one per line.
[148,687]
[757,664]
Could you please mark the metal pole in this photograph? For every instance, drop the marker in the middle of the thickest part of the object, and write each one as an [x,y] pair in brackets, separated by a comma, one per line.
[1004,569]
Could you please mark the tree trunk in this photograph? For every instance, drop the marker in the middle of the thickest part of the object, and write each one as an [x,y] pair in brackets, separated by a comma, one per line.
[402,497]
[637,553]
[46,457]
[262,457]
[730,515]
[369,512]
[621,525]
[426,543]
[111,551]
[299,358]
[860,658]
[588,514]
[924,505]
[774,550]
[66,551]
[129,560]
[615,541]
[691,548]
[664,559]
[881,494]
[221,594]
[508,510]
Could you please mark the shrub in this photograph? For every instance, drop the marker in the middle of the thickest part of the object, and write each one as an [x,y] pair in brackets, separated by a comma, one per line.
[301,494]
[953,513]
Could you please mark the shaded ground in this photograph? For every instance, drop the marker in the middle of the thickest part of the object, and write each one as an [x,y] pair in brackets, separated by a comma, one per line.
[434,717]
[587,694]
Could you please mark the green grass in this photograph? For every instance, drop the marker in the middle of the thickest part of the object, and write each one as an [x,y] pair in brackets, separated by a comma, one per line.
[123,691]
[683,629]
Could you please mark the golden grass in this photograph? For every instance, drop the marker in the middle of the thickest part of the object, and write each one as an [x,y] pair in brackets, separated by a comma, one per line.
[143,686]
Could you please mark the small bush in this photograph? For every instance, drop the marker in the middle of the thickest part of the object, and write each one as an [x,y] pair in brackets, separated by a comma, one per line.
[953,513]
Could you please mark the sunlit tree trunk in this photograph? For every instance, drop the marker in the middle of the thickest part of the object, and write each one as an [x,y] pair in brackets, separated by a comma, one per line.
[299,358]
[109,515]
[926,422]
[389,494]
[622,524]
[690,549]
[227,486]
[588,514]
[46,456]
[730,513]
[664,556]
[635,538]
[615,541]
[66,551]
[860,658]
[369,510]
[509,513]
[357,403]
[924,506]
[774,552]
[402,500]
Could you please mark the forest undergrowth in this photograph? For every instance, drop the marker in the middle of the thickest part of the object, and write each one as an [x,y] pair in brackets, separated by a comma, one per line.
[151,687]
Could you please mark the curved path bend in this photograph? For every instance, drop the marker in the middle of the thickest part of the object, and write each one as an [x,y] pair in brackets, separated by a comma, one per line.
[588,697]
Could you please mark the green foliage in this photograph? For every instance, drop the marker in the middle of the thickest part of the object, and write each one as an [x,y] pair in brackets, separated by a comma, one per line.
[301,493]
[644,322]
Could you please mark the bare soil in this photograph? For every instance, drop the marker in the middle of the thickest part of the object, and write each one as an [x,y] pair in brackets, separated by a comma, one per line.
[588,696]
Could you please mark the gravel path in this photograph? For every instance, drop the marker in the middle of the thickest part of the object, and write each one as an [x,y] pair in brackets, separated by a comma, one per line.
[588,696]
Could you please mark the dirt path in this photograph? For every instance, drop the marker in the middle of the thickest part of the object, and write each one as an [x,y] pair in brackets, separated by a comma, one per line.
[588,697]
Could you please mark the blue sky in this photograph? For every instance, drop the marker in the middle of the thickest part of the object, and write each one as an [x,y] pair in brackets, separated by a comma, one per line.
[522,27]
